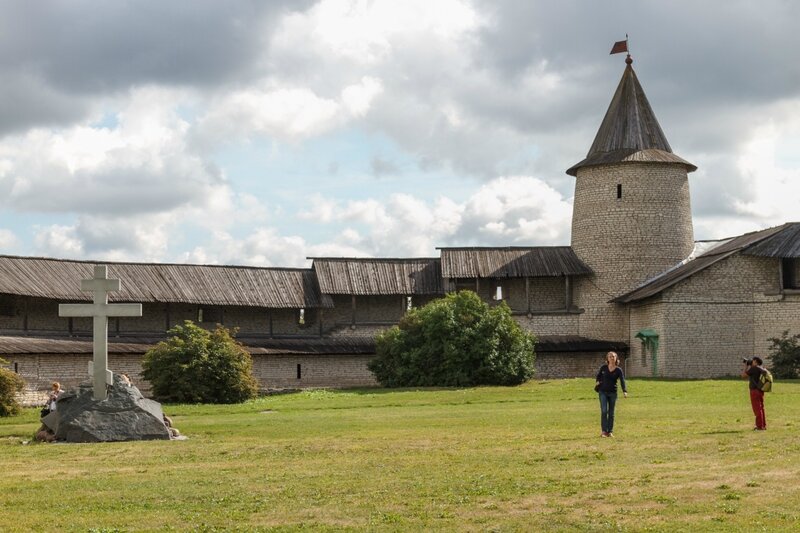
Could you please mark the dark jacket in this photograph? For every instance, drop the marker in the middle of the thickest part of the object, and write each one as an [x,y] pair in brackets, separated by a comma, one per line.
[608,379]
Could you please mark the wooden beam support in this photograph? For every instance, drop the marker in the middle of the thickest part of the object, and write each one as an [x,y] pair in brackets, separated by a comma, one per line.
[567,292]
[528,293]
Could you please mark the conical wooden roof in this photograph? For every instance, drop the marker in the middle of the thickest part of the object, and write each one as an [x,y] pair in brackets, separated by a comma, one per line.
[630,131]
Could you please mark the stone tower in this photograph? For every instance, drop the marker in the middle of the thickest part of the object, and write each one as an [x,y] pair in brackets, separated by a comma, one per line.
[631,217]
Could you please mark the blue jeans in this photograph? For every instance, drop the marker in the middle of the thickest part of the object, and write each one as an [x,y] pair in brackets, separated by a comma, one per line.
[607,402]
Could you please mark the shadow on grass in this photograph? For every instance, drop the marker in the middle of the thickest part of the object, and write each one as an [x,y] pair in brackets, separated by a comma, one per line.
[723,432]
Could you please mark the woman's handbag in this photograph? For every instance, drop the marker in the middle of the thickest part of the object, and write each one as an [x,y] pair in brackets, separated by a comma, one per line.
[597,387]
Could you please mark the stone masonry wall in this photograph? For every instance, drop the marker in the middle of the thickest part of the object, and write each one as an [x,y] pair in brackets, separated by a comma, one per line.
[647,315]
[720,315]
[271,371]
[554,324]
[600,319]
[626,240]
[40,370]
[557,365]
[12,314]
[630,239]
[389,308]
[545,293]
[330,371]
[773,318]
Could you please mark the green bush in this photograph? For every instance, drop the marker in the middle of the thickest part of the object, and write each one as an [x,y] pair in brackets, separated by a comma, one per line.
[455,341]
[785,355]
[10,385]
[200,366]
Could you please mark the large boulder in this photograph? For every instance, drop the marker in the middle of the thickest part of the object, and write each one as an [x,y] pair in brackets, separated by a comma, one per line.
[124,415]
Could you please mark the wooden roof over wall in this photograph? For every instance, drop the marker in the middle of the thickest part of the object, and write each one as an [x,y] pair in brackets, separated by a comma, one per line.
[784,244]
[153,282]
[511,262]
[630,131]
[357,276]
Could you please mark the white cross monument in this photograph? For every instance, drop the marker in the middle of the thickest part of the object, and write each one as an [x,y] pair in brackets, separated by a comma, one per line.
[100,310]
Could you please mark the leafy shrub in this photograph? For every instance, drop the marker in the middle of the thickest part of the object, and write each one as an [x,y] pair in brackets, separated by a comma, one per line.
[10,385]
[200,366]
[785,355]
[455,341]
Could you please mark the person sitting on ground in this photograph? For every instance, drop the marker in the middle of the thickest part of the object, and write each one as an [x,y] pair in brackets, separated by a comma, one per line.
[55,392]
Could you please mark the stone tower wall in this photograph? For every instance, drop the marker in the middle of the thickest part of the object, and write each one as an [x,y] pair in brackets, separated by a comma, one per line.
[627,240]
[631,239]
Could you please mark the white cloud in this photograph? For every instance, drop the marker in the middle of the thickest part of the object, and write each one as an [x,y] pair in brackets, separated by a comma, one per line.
[142,165]
[144,238]
[357,98]
[266,247]
[58,241]
[517,210]
[7,239]
[366,32]
[769,158]
[283,112]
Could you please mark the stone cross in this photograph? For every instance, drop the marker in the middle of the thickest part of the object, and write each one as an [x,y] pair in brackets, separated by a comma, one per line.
[100,310]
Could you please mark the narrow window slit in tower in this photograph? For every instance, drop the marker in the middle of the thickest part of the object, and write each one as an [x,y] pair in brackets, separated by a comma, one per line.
[299,371]
[619,191]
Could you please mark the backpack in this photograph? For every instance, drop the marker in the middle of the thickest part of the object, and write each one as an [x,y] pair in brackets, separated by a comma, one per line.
[765,380]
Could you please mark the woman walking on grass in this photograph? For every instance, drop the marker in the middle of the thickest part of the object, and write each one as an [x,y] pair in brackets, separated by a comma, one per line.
[606,387]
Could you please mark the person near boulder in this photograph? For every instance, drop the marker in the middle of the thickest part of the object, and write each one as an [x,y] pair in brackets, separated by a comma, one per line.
[55,392]
[606,387]
[753,368]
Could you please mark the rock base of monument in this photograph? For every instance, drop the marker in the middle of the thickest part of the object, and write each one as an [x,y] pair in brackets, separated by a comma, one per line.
[124,415]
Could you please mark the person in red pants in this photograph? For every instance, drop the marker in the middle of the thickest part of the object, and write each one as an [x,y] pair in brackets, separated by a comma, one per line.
[752,371]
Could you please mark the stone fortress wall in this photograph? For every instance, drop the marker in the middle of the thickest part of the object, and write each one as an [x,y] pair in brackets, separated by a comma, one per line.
[712,320]
[630,222]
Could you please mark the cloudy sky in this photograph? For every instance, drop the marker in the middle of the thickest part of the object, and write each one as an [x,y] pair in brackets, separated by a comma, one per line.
[265,132]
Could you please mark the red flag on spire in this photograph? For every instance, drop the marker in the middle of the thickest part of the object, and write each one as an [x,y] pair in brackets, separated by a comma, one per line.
[619,47]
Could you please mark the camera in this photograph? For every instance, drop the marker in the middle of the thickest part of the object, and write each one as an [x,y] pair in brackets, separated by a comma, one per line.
[748,362]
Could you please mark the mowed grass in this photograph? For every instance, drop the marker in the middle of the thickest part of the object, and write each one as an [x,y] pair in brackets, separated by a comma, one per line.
[526,458]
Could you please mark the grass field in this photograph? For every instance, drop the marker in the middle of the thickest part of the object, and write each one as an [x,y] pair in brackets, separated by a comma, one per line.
[527,458]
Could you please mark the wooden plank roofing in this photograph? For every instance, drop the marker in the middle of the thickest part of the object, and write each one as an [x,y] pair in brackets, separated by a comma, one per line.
[153,282]
[725,249]
[784,244]
[137,346]
[630,131]
[511,262]
[371,276]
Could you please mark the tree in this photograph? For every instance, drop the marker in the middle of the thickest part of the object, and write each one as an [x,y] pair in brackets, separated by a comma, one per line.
[785,355]
[10,385]
[455,341]
[200,366]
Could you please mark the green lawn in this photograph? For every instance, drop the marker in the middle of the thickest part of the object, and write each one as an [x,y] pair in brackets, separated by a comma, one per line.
[527,458]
